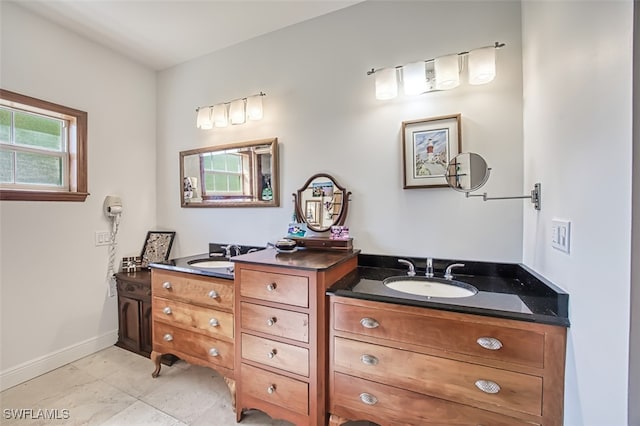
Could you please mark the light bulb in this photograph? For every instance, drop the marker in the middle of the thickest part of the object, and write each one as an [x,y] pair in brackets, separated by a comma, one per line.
[482,65]
[447,72]
[386,84]
[203,120]
[220,116]
[254,107]
[414,78]
[236,112]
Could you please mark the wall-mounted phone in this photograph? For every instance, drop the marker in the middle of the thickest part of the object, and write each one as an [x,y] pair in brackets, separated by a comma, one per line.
[112,208]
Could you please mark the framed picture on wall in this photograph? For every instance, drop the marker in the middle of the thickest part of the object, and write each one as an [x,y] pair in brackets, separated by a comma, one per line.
[157,247]
[427,146]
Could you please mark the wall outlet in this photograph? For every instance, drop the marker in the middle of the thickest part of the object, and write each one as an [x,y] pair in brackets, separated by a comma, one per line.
[102,238]
[561,234]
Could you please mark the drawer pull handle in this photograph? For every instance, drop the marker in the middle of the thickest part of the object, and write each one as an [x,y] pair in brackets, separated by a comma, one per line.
[213,322]
[167,310]
[369,323]
[271,389]
[487,386]
[490,343]
[272,353]
[369,359]
[213,294]
[368,399]
[271,321]
[272,286]
[166,285]
[167,337]
[213,352]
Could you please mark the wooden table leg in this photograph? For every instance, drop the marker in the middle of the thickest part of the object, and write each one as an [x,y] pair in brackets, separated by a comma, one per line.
[337,420]
[231,384]
[156,357]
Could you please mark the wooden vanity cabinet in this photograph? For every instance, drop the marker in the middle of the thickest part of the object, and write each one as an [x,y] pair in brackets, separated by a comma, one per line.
[134,311]
[193,318]
[395,364]
[282,345]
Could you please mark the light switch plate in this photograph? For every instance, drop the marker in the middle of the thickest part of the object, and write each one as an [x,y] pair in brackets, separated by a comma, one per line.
[561,234]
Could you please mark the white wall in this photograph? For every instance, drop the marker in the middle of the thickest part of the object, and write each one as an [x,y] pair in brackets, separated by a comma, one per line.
[634,353]
[577,141]
[321,105]
[54,306]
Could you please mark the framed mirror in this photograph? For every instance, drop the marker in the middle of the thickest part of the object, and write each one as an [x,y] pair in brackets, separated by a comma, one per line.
[237,175]
[321,203]
[467,172]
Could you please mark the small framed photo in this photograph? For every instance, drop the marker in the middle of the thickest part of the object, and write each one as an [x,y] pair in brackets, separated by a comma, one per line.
[297,229]
[157,247]
[427,147]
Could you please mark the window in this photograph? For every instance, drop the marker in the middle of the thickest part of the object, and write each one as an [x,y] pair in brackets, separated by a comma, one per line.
[223,174]
[42,150]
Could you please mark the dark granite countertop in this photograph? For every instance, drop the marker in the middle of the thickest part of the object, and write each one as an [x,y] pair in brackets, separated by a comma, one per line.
[183,265]
[301,259]
[505,290]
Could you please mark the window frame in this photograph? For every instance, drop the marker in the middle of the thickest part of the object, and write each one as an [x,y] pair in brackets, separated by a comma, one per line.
[77,172]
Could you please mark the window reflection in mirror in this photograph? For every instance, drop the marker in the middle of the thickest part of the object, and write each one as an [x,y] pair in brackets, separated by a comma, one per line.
[237,175]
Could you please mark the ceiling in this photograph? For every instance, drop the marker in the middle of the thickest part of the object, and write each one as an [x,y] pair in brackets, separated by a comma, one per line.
[164,33]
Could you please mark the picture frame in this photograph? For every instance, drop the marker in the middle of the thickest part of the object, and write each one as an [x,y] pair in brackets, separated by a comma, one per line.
[428,145]
[157,247]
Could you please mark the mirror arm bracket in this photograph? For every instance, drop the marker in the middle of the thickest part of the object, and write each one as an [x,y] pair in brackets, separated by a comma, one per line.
[535,197]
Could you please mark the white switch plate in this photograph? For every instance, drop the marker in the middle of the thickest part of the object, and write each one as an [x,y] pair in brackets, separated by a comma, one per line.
[561,234]
[102,238]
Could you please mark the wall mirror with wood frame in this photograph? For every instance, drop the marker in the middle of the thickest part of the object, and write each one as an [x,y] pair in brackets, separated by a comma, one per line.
[242,174]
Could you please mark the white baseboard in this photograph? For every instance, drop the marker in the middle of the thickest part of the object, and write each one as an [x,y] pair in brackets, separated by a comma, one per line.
[28,370]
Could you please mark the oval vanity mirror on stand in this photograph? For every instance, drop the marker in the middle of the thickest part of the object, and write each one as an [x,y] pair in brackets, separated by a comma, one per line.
[322,203]
[468,172]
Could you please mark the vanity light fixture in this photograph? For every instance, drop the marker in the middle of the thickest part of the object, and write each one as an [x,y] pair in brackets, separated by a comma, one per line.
[441,73]
[236,111]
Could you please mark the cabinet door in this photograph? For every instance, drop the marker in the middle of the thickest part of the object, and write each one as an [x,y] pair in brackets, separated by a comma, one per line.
[145,332]
[129,319]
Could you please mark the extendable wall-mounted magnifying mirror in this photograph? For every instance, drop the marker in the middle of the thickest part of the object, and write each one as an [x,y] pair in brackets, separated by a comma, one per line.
[468,172]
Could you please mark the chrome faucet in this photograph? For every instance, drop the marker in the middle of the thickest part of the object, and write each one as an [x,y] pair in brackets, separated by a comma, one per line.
[447,273]
[412,268]
[227,250]
[429,271]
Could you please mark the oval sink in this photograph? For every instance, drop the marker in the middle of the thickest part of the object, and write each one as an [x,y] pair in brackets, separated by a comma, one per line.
[211,263]
[430,287]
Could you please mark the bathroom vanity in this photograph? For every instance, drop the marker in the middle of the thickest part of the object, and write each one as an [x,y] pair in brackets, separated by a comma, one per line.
[193,316]
[281,325]
[493,358]
[315,337]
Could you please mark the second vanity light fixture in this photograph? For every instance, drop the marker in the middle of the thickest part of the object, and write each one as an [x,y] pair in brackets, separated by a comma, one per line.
[236,111]
[441,73]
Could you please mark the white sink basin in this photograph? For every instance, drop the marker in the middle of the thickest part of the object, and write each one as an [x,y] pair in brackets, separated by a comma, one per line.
[430,287]
[214,264]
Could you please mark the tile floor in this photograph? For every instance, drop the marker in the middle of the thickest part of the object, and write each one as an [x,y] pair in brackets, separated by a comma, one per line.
[114,387]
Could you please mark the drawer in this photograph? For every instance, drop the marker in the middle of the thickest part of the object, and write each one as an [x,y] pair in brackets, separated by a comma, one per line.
[276,354]
[134,290]
[353,397]
[168,339]
[440,377]
[206,320]
[277,322]
[190,288]
[280,288]
[275,389]
[466,335]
